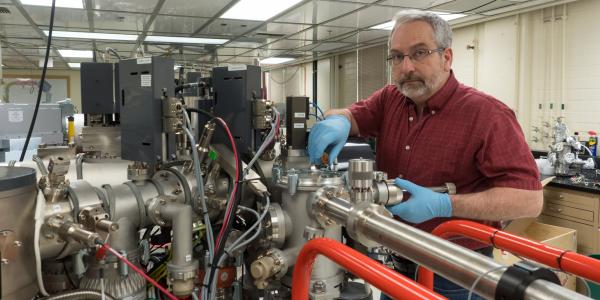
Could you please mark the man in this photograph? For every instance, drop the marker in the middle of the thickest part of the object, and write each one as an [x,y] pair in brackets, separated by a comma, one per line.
[430,129]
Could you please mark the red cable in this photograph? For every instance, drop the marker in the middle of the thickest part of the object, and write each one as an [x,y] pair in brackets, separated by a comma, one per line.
[237,178]
[139,271]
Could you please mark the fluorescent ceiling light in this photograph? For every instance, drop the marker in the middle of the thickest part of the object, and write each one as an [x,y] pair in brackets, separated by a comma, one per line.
[75,65]
[384,26]
[446,16]
[275,60]
[183,40]
[92,35]
[76,53]
[257,10]
[59,3]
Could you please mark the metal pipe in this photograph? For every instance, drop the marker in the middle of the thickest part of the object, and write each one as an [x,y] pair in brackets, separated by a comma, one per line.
[182,268]
[79,165]
[79,295]
[564,260]
[181,218]
[40,165]
[460,265]
[385,279]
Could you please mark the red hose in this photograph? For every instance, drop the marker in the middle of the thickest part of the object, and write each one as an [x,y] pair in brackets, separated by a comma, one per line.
[388,281]
[567,261]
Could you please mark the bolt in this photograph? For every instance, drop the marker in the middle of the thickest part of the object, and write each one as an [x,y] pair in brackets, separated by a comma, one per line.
[156,212]
[329,194]
[4,261]
[49,235]
[17,243]
[162,201]
[4,233]
[328,222]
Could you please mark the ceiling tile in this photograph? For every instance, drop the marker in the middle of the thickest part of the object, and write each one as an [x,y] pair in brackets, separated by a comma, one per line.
[315,12]
[287,45]
[228,27]
[321,33]
[176,24]
[14,17]
[474,6]
[119,21]
[18,31]
[419,4]
[281,28]
[366,36]
[62,17]
[145,6]
[196,8]
[365,18]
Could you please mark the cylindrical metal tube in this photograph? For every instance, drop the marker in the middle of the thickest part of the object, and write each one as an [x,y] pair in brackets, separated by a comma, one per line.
[79,295]
[205,138]
[40,165]
[79,166]
[450,261]
[181,218]
[360,180]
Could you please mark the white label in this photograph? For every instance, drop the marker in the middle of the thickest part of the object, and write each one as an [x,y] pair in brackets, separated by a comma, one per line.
[188,258]
[236,67]
[299,115]
[144,60]
[146,80]
[56,208]
[298,125]
[15,116]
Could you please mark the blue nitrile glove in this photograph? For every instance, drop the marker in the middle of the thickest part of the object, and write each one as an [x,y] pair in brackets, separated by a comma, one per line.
[423,204]
[330,133]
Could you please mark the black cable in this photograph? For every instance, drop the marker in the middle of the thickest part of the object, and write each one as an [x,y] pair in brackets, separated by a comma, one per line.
[114,52]
[202,111]
[39,96]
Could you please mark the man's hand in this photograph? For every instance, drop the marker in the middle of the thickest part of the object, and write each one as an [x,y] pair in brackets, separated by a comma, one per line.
[423,204]
[330,133]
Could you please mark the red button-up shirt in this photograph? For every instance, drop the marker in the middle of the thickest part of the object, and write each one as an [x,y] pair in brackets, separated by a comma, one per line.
[463,136]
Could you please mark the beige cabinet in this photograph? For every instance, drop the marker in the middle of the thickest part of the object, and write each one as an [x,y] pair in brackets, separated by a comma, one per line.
[576,210]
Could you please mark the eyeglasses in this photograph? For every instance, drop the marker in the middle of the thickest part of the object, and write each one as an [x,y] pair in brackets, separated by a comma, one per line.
[417,55]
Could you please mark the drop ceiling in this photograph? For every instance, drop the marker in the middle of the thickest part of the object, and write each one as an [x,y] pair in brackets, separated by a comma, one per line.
[311,28]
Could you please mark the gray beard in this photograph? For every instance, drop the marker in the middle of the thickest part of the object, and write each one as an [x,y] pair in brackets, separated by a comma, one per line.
[413,90]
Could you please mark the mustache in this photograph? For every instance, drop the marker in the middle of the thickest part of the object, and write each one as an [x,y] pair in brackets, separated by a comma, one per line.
[410,78]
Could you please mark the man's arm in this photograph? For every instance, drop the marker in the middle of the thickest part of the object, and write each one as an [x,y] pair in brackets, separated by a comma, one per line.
[498,204]
[346,113]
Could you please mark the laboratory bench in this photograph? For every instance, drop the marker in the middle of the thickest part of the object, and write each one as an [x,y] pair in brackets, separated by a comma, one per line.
[575,204]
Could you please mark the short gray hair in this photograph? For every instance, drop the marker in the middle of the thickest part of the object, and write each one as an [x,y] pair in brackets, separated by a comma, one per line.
[441,28]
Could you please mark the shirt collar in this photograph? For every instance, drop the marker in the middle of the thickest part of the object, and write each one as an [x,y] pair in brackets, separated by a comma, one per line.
[443,95]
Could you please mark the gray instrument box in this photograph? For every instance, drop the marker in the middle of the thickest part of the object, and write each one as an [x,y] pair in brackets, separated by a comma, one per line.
[15,120]
[99,88]
[234,87]
[296,114]
[142,81]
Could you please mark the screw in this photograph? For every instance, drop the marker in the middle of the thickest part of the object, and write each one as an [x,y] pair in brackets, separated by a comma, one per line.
[162,201]
[17,243]
[329,194]
[4,261]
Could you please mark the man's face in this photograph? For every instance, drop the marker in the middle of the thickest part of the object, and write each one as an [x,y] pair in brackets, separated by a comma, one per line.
[420,79]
